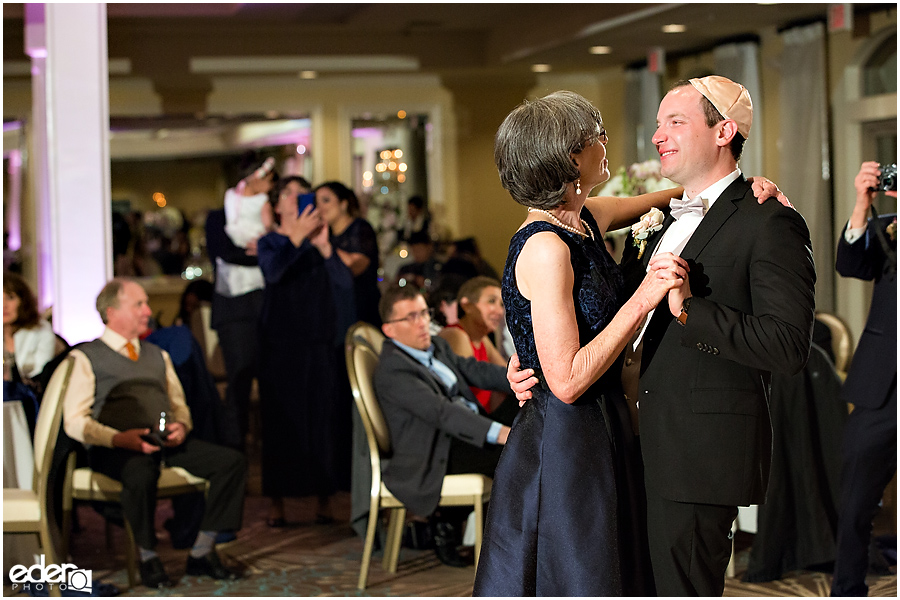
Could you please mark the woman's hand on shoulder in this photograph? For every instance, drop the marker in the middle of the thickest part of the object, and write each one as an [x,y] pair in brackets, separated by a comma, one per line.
[764,189]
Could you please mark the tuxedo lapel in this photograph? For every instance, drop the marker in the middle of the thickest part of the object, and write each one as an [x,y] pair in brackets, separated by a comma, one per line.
[720,212]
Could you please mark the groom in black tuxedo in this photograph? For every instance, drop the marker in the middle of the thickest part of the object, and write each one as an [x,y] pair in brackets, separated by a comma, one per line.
[705,356]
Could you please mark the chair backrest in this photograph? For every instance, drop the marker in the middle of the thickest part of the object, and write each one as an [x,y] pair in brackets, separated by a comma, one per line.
[841,341]
[367,334]
[46,430]
[362,359]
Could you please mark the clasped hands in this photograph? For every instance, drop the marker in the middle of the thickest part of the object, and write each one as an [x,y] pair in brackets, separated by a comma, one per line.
[132,439]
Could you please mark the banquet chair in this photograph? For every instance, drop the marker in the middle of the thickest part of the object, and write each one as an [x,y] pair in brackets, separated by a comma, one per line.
[86,484]
[457,490]
[841,341]
[30,510]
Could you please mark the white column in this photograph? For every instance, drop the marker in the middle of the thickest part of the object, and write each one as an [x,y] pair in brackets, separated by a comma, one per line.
[68,46]
[14,202]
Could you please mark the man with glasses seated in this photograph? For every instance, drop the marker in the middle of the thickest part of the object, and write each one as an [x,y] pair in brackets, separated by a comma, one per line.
[437,426]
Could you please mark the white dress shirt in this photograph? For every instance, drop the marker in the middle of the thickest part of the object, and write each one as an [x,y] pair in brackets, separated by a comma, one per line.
[679,233]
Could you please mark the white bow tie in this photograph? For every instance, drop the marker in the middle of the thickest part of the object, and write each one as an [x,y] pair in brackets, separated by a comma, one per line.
[682,206]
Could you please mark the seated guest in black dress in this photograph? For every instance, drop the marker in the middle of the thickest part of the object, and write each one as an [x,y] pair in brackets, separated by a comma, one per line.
[437,426]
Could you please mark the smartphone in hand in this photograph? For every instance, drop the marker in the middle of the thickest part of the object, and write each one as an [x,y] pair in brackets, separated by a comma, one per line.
[304,200]
[155,438]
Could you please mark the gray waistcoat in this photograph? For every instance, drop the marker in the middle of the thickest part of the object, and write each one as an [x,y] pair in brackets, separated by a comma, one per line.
[129,394]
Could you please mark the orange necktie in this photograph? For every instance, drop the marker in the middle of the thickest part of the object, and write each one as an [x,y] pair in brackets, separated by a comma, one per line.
[132,354]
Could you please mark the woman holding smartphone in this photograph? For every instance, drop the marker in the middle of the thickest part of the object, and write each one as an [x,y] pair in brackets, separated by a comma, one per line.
[297,363]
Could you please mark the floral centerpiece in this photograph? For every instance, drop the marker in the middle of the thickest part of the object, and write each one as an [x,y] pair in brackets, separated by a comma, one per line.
[639,178]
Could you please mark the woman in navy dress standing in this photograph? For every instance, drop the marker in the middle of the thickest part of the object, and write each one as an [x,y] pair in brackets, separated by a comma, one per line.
[565,517]
[298,371]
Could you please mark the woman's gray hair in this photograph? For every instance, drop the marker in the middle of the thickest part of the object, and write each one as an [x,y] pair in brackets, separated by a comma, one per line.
[533,147]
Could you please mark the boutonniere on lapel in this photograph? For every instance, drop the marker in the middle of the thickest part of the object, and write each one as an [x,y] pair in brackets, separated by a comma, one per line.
[649,224]
[892,230]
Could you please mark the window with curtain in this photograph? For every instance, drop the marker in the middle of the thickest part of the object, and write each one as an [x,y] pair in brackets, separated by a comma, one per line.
[880,71]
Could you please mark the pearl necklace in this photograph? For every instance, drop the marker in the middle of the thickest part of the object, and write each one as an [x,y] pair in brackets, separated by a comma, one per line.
[590,232]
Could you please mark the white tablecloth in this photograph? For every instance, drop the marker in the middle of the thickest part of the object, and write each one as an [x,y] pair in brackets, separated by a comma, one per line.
[18,453]
[18,472]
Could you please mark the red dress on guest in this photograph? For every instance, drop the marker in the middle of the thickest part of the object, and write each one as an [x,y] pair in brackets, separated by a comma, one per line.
[480,353]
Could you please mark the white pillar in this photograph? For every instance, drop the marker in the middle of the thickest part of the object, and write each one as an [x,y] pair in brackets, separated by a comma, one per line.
[68,46]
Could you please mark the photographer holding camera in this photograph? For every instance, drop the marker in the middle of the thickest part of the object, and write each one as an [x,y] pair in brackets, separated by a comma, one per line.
[867,250]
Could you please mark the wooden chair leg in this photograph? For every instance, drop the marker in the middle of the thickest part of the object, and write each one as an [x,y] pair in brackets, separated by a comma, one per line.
[130,556]
[49,551]
[67,507]
[369,544]
[479,527]
[395,540]
[729,570]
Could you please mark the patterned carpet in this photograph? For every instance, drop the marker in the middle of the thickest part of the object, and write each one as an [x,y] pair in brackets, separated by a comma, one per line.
[323,560]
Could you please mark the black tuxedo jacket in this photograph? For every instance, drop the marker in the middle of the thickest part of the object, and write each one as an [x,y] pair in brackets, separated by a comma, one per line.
[706,434]
[422,419]
[874,367]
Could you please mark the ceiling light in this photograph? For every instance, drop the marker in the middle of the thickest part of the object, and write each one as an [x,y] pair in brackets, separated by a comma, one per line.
[674,28]
[540,68]
[308,74]
[600,50]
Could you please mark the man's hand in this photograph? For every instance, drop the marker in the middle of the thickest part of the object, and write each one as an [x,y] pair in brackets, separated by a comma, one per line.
[177,433]
[764,189]
[677,295]
[521,381]
[865,183]
[130,439]
[251,247]
[501,437]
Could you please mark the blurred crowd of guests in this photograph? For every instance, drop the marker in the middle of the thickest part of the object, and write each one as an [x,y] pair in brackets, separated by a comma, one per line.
[295,266]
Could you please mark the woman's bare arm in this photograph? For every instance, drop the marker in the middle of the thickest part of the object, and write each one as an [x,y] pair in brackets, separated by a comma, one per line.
[544,276]
[458,340]
[357,262]
[612,212]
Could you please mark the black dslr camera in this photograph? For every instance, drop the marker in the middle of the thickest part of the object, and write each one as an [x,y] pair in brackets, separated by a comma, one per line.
[887,181]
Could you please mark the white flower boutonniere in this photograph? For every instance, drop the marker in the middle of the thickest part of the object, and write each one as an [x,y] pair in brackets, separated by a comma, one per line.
[649,224]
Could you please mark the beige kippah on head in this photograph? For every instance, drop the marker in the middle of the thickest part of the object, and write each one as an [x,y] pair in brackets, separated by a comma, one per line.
[730,98]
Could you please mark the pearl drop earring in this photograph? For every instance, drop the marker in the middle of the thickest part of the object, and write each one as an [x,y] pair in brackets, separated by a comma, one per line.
[578,186]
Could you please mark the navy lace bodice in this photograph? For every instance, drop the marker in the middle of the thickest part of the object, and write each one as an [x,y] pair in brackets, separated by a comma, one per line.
[596,292]
[564,518]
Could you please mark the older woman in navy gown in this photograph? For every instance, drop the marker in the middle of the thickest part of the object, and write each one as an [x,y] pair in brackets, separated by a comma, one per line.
[565,515]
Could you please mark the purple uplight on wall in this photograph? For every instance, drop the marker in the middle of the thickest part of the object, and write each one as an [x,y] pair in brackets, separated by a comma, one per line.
[14,202]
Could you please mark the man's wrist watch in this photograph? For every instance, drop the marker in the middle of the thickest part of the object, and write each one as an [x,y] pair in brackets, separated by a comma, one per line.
[683,315]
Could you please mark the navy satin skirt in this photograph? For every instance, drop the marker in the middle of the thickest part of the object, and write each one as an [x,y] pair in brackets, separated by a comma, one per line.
[566,516]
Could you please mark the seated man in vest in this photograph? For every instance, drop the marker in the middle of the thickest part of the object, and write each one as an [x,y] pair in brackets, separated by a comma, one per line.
[437,426]
[120,390]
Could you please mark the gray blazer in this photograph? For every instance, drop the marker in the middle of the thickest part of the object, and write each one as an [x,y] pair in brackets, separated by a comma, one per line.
[422,419]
